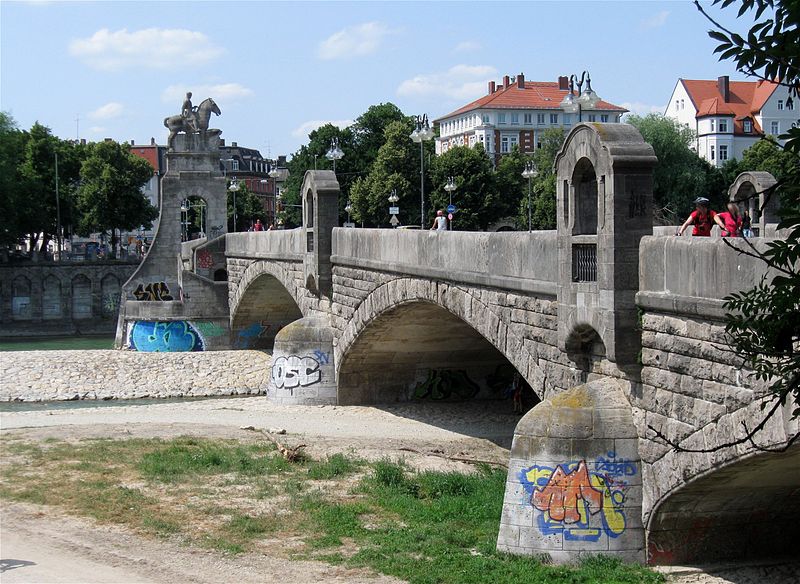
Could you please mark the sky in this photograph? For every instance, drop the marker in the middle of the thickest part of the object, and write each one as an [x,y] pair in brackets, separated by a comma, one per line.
[277,70]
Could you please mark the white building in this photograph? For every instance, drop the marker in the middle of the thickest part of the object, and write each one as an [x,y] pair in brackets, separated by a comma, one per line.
[730,116]
[516,112]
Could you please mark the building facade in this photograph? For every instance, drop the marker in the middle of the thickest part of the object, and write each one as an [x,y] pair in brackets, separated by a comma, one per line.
[250,168]
[730,116]
[516,113]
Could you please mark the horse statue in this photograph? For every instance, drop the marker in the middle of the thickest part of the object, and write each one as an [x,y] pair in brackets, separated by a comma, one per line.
[178,123]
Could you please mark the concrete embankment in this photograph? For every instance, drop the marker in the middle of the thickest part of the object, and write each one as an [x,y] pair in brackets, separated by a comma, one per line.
[70,375]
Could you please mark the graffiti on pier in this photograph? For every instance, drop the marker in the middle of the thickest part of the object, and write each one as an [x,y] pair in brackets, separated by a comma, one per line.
[446,385]
[110,303]
[164,337]
[204,259]
[580,504]
[294,371]
[153,291]
[248,337]
[322,357]
[209,329]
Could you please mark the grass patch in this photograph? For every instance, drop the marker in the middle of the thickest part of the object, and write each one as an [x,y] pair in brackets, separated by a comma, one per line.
[423,527]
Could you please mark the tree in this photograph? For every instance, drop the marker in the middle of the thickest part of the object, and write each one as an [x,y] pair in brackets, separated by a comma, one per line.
[249,208]
[512,188]
[763,323]
[544,185]
[478,201]
[110,196]
[12,148]
[681,175]
[369,132]
[766,155]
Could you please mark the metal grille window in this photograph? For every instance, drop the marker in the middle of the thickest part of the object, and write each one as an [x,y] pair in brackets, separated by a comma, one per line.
[584,262]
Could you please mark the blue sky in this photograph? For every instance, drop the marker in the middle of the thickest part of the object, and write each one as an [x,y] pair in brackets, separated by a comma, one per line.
[279,69]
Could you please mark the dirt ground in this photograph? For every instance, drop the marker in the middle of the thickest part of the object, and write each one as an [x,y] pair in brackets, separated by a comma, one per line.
[39,544]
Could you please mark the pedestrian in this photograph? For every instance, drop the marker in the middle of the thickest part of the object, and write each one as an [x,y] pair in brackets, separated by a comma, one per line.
[747,229]
[440,222]
[702,218]
[730,222]
[271,227]
[258,226]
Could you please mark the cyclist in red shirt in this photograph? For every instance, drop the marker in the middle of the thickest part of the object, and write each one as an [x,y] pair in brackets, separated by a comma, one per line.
[702,218]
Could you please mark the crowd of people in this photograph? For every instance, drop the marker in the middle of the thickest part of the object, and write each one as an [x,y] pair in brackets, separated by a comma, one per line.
[731,222]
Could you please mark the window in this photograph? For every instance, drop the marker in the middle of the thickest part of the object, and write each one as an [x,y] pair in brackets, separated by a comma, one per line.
[513,141]
[528,119]
[723,152]
[538,144]
[723,126]
[677,105]
[780,104]
[501,118]
[789,104]
[485,118]
[713,151]
[515,118]
[553,118]
[504,144]
[604,118]
[540,119]
[682,104]
[774,128]
[592,117]
[748,126]
[235,165]
[712,124]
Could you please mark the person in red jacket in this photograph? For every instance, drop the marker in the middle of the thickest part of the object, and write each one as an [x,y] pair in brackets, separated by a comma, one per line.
[730,221]
[702,218]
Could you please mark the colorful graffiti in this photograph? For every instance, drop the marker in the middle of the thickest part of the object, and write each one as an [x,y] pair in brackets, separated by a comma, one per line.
[209,329]
[110,303]
[154,291]
[164,337]
[577,503]
[248,337]
[444,385]
[322,357]
[294,371]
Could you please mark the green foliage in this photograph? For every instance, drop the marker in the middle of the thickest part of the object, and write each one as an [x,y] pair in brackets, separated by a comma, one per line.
[110,196]
[766,155]
[680,175]
[764,322]
[543,186]
[336,465]
[249,208]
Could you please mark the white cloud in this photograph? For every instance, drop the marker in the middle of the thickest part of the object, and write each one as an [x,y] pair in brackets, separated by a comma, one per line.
[642,109]
[97,130]
[467,46]
[462,82]
[152,48]
[220,92]
[654,21]
[107,111]
[354,41]
[306,128]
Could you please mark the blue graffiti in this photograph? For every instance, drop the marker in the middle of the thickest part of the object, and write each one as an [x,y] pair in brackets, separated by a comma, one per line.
[164,337]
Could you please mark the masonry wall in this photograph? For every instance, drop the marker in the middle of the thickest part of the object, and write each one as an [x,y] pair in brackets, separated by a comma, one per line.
[69,375]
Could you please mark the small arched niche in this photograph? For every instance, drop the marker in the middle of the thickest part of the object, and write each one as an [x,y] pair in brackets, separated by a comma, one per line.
[584,181]
[585,348]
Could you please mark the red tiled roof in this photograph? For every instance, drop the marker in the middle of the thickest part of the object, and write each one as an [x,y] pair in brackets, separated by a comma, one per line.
[535,95]
[746,98]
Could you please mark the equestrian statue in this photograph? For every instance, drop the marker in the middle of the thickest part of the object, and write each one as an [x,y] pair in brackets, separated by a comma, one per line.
[191,120]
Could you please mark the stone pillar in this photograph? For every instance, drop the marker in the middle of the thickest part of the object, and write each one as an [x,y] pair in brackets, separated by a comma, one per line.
[574,483]
[303,372]
[320,194]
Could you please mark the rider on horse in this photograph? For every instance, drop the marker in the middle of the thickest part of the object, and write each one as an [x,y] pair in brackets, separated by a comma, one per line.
[189,113]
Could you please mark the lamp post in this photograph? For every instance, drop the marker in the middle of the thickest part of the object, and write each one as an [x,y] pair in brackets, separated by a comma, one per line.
[530,172]
[234,188]
[586,99]
[450,187]
[348,208]
[58,212]
[421,134]
[334,153]
[185,220]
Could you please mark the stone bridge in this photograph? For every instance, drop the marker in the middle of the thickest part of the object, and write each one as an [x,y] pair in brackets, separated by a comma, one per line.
[613,332]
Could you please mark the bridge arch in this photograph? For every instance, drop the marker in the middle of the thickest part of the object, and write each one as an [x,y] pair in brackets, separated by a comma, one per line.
[265,300]
[408,326]
[750,189]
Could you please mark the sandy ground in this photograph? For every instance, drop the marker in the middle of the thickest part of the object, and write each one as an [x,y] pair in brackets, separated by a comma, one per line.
[40,545]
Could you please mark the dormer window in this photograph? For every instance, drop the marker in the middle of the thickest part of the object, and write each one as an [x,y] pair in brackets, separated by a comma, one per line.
[748,127]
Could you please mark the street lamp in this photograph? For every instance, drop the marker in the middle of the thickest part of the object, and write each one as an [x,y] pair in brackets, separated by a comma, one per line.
[185,219]
[450,187]
[335,153]
[586,99]
[394,210]
[421,134]
[234,188]
[530,172]
[348,208]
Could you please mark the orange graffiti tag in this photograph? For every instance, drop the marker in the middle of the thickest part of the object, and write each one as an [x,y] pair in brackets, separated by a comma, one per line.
[560,497]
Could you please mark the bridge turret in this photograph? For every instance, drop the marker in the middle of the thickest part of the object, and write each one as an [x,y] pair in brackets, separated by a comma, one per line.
[320,196]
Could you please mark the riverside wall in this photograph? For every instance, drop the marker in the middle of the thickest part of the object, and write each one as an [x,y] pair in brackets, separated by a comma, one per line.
[99,374]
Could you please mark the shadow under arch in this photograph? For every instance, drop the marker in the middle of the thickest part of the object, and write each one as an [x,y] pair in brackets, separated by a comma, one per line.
[585,348]
[262,305]
[747,509]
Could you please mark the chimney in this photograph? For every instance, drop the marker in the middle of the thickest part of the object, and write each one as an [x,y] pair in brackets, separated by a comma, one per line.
[491,87]
[521,81]
[506,81]
[83,141]
[723,84]
[563,83]
[222,142]
[132,142]
[233,145]
[152,141]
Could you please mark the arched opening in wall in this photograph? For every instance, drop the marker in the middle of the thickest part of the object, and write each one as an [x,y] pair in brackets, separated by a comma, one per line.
[21,298]
[110,290]
[264,309]
[194,218]
[221,275]
[51,298]
[584,181]
[586,350]
[749,509]
[420,351]
[81,297]
[747,199]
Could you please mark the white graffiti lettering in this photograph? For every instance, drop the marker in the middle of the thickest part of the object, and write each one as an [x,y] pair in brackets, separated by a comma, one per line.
[293,371]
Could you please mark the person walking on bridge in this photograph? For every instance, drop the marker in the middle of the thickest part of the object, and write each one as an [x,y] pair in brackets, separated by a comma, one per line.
[702,218]
[440,222]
